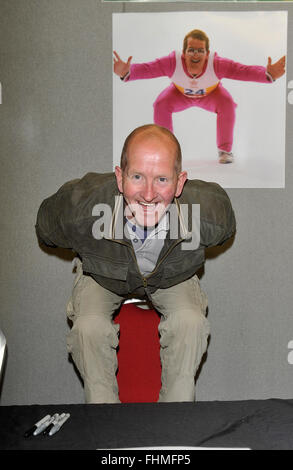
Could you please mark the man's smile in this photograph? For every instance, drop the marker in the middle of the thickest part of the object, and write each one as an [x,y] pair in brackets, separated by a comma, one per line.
[149,204]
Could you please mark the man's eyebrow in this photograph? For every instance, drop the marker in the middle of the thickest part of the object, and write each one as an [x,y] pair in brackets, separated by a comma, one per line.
[133,170]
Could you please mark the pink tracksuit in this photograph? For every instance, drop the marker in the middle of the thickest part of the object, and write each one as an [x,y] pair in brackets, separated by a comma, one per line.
[218,101]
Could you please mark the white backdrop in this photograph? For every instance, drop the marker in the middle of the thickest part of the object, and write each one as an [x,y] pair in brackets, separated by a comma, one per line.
[246,37]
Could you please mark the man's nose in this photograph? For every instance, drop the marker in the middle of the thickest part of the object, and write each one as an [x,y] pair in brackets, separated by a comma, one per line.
[148,192]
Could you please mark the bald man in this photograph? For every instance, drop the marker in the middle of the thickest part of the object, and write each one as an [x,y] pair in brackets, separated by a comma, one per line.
[136,254]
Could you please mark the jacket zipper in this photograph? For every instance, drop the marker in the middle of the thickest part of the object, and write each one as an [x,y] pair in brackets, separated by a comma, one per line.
[164,257]
[134,257]
[145,279]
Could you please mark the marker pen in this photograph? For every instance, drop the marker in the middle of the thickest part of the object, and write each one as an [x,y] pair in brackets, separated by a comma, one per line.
[59,424]
[30,431]
[55,420]
[45,425]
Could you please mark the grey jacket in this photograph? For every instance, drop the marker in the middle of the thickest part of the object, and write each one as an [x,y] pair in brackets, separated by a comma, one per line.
[67,219]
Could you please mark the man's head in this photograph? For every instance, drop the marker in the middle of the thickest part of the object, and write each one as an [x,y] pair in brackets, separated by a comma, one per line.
[150,173]
[196,49]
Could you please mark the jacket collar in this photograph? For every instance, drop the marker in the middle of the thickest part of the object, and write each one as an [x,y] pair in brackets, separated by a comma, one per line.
[116,227]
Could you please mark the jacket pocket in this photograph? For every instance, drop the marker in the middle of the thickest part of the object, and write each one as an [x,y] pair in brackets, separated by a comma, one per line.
[188,262]
[104,267]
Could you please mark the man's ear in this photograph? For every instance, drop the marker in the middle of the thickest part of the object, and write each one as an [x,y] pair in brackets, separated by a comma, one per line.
[182,177]
[119,178]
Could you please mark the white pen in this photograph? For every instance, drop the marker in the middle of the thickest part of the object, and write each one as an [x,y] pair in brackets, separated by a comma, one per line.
[52,424]
[45,425]
[59,424]
[30,431]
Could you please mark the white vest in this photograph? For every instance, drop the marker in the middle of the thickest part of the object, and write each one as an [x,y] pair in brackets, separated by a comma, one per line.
[195,87]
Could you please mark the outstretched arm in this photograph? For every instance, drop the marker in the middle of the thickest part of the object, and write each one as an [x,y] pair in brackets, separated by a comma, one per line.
[121,68]
[227,68]
[162,67]
[277,69]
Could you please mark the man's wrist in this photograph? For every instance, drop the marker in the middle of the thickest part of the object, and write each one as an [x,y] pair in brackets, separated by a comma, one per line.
[269,76]
[124,76]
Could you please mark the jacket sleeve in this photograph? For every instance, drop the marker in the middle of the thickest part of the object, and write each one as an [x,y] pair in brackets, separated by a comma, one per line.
[226,68]
[52,218]
[163,67]
[217,218]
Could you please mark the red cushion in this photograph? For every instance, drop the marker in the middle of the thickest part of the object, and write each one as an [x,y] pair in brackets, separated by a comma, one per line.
[139,366]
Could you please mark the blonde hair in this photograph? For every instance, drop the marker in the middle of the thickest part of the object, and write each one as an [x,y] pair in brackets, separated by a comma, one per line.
[196,34]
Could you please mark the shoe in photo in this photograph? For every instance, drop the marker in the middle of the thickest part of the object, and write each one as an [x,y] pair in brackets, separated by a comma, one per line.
[225,157]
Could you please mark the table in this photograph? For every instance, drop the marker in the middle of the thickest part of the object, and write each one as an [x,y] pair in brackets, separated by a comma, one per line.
[256,424]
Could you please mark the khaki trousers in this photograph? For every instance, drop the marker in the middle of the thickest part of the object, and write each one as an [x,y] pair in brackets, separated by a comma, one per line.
[93,338]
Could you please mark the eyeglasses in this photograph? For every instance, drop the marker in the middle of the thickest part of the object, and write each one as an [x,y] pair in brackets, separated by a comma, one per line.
[191,51]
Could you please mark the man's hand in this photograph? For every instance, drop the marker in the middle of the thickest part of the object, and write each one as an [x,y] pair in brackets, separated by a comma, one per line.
[277,69]
[121,68]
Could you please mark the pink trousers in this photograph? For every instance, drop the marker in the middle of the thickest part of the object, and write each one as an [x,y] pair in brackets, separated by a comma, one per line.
[218,101]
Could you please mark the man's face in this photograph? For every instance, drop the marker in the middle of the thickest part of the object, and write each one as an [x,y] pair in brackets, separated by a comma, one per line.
[149,182]
[195,56]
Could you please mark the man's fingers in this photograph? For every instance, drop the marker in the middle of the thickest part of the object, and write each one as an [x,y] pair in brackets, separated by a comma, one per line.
[283,60]
[277,69]
[117,57]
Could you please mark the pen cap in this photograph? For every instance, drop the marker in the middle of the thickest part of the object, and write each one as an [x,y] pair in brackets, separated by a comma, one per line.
[64,418]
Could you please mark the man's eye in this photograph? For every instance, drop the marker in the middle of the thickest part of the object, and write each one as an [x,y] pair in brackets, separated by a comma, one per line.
[162,179]
[136,177]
